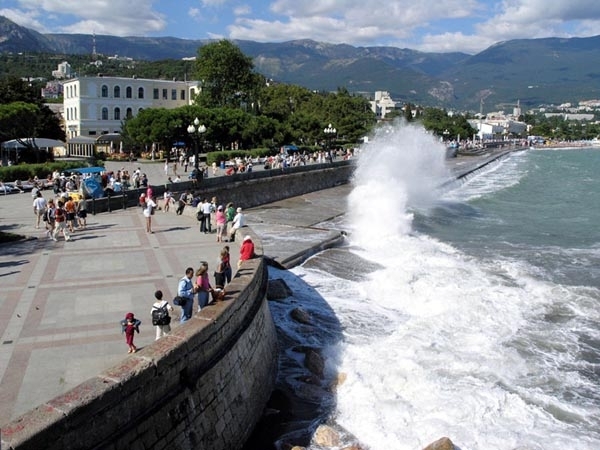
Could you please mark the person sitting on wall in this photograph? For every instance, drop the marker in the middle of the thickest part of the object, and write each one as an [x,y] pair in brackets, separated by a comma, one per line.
[246,251]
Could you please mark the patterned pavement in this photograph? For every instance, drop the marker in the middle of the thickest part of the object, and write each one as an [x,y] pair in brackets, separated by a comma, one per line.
[61,302]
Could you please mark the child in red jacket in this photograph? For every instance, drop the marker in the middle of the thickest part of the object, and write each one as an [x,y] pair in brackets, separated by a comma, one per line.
[129,326]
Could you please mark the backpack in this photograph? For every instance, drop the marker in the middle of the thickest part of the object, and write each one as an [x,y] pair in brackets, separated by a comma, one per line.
[199,215]
[160,316]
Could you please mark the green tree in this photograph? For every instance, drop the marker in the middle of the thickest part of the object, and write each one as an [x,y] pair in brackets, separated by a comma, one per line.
[226,76]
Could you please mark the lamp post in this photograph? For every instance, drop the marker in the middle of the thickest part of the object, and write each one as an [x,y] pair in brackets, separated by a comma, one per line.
[329,135]
[446,133]
[195,130]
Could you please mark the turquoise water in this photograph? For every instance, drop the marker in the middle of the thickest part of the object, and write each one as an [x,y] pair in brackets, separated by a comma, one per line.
[541,206]
[476,314]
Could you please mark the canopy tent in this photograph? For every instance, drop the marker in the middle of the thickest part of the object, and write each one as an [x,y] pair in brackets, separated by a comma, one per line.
[12,148]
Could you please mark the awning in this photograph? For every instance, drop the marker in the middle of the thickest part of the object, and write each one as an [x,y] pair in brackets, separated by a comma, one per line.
[84,170]
[29,142]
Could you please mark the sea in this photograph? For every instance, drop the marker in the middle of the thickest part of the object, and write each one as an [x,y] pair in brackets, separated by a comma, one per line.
[469,309]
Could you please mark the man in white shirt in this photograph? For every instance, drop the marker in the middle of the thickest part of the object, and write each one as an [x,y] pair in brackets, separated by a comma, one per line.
[39,208]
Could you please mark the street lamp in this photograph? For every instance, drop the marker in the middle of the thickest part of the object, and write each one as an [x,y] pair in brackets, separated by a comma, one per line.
[195,130]
[329,135]
[446,133]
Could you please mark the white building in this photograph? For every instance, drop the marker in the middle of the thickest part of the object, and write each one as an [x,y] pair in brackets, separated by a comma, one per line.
[94,106]
[63,71]
[383,104]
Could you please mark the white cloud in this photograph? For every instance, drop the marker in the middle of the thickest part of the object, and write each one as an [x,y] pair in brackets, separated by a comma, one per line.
[242,10]
[122,18]
[24,19]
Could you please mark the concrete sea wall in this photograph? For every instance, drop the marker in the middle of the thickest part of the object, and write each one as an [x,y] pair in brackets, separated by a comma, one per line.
[245,189]
[202,386]
[206,383]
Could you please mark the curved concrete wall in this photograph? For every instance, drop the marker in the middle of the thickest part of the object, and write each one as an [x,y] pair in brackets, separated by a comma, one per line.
[247,189]
[203,386]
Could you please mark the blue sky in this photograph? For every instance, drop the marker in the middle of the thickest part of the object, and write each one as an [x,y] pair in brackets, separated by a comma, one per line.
[428,25]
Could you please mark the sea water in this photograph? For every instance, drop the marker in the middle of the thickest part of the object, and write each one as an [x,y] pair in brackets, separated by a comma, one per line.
[472,311]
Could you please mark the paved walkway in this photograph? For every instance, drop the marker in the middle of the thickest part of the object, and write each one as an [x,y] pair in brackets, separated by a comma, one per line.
[61,302]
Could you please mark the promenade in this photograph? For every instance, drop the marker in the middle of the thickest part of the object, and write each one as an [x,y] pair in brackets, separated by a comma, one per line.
[61,302]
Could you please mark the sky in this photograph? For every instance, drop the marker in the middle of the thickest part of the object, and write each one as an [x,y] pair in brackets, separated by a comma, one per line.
[468,26]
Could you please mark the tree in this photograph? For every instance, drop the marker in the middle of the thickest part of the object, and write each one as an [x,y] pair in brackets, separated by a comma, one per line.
[23,115]
[226,76]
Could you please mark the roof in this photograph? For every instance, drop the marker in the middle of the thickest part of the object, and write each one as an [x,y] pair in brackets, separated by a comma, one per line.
[108,138]
[40,142]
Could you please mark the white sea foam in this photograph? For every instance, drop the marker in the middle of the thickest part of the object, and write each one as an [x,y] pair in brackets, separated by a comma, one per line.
[438,343]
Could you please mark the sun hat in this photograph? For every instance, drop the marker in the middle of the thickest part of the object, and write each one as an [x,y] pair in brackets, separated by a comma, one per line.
[247,238]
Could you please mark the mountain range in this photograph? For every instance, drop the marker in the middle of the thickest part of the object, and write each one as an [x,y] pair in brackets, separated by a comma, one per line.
[533,72]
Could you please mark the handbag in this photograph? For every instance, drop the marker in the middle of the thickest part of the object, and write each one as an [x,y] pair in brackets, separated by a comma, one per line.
[180,301]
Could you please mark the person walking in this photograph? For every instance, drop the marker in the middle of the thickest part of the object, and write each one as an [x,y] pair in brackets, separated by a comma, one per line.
[186,289]
[82,213]
[221,221]
[70,208]
[203,286]
[168,199]
[39,208]
[148,213]
[229,214]
[205,225]
[49,217]
[60,219]
[161,317]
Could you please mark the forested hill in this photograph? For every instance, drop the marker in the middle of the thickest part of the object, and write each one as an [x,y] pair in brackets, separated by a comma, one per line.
[534,71]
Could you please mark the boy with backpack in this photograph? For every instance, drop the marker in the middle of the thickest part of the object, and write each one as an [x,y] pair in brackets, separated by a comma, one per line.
[161,318]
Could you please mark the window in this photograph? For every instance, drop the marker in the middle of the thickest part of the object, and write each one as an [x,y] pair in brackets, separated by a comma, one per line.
[105,113]
[117,91]
[141,93]
[117,113]
[165,97]
[92,133]
[173,94]
[128,113]
[104,91]
[128,92]
[183,94]
[155,93]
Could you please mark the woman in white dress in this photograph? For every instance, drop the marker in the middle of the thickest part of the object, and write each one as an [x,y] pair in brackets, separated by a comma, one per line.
[148,213]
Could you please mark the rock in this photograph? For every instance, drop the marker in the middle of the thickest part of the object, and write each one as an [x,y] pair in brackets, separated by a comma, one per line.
[441,444]
[278,289]
[299,315]
[339,380]
[314,362]
[326,436]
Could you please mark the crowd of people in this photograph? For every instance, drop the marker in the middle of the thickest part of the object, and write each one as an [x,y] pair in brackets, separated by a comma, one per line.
[61,215]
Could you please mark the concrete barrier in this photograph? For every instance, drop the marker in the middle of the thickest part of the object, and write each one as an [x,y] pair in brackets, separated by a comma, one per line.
[202,386]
